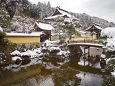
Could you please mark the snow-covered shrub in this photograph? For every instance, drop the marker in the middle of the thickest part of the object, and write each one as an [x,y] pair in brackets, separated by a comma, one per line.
[109,80]
[109,34]
[5,47]
[22,24]
[15,53]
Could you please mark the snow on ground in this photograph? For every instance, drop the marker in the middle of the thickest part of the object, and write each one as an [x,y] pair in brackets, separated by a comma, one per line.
[50,43]
[113,73]
[65,53]
[30,53]
[15,58]
[1,29]
[103,56]
[16,52]
[35,55]
[53,48]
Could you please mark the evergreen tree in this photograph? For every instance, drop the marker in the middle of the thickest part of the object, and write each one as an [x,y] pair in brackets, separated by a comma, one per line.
[4,17]
[26,5]
[35,11]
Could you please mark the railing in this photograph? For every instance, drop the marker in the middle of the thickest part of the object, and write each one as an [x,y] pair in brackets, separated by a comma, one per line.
[85,41]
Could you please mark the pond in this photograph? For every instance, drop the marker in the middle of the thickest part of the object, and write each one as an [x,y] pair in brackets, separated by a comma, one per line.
[64,76]
[71,73]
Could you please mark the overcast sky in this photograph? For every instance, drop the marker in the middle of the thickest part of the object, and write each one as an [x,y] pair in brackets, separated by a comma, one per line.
[100,8]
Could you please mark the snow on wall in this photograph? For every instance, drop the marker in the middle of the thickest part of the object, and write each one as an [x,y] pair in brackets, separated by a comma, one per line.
[24,34]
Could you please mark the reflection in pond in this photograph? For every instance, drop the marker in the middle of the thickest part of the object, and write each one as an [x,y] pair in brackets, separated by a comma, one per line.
[37,81]
[71,73]
[64,76]
[89,79]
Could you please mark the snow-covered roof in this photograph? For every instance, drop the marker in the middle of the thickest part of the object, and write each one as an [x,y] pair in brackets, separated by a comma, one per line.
[53,17]
[98,27]
[24,34]
[62,13]
[1,29]
[44,26]
[109,32]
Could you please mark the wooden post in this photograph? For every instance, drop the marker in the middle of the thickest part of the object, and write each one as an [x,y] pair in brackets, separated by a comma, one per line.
[88,54]
[84,40]
[84,56]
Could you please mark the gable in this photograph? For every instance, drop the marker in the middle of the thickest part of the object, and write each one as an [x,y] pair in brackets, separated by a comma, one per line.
[56,12]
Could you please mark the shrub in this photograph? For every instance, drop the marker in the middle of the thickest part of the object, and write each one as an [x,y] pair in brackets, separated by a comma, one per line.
[110,67]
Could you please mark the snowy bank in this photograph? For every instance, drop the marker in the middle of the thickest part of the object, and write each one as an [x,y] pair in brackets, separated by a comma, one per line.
[1,29]
[38,55]
[113,73]
[15,58]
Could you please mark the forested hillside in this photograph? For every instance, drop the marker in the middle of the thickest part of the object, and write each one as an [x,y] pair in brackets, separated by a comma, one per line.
[45,9]
[25,7]
[87,20]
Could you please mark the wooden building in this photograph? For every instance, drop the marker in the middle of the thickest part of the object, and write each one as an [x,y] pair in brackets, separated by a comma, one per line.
[59,13]
[95,29]
[45,28]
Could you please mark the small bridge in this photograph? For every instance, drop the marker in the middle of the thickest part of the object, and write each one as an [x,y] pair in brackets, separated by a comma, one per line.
[86,43]
[88,54]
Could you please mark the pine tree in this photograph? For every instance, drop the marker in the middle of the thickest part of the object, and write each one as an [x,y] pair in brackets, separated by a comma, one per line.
[4,17]
[26,5]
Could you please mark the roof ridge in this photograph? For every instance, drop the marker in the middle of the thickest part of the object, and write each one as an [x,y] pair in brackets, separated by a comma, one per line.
[62,10]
